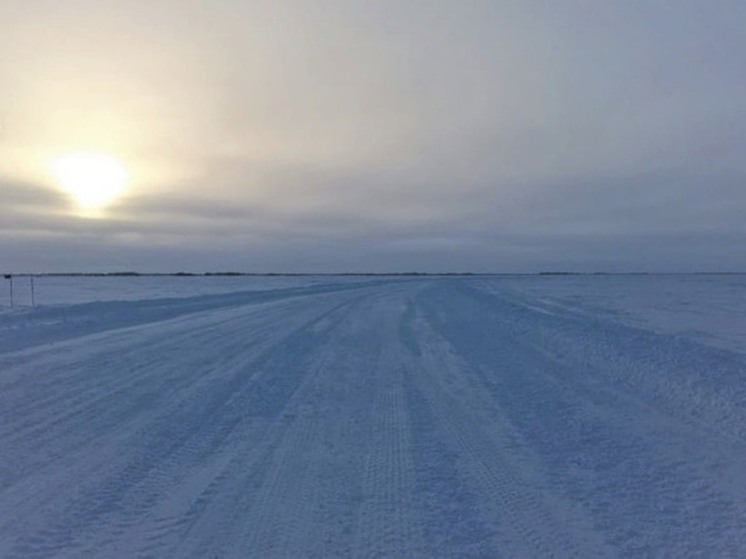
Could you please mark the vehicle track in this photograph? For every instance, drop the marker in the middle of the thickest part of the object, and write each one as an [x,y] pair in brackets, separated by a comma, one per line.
[424,418]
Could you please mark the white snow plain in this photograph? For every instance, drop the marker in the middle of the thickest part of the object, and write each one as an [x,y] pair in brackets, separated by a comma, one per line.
[375,417]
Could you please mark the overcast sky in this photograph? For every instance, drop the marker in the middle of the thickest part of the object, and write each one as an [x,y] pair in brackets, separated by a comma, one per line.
[341,135]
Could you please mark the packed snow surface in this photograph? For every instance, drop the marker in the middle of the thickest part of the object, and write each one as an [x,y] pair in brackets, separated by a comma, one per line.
[376,417]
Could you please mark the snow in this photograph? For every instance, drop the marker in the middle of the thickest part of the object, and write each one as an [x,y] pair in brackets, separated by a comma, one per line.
[392,417]
[68,290]
[709,308]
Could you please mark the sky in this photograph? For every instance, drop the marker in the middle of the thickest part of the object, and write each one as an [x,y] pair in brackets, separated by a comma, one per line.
[377,135]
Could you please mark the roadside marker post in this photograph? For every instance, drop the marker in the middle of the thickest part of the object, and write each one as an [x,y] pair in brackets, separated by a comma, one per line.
[10,277]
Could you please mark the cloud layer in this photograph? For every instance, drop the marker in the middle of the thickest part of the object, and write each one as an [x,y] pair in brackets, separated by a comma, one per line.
[338,135]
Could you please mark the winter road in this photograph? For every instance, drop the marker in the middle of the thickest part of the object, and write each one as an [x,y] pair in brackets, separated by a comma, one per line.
[410,418]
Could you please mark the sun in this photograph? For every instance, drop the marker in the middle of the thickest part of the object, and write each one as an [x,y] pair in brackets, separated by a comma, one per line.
[93,180]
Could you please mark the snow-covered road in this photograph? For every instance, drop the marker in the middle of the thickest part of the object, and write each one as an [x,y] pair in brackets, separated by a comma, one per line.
[435,417]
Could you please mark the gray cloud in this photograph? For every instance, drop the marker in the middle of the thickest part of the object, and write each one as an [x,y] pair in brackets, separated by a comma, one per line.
[381,135]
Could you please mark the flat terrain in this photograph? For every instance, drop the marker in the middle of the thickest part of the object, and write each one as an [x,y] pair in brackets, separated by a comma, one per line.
[380,417]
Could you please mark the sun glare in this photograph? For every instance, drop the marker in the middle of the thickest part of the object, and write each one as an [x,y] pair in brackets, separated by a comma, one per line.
[94,180]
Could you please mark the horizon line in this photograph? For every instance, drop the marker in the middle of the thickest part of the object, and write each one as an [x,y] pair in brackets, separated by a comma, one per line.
[8,275]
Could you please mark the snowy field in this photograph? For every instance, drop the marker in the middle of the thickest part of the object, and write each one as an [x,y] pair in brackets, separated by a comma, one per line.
[68,290]
[375,417]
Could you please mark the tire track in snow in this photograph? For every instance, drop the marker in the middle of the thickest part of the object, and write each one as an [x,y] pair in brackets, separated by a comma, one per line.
[118,380]
[311,497]
[388,525]
[281,374]
[629,465]
[500,512]
[168,435]
[274,474]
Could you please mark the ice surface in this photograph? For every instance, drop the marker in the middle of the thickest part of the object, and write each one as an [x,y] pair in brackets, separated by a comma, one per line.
[710,308]
[323,417]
